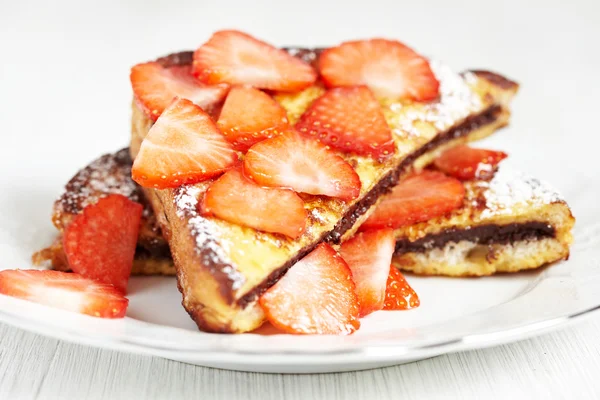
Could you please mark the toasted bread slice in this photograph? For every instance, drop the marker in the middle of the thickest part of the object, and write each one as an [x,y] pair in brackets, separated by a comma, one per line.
[512,223]
[223,268]
[109,174]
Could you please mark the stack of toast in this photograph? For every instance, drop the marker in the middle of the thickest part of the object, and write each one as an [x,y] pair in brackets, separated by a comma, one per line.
[229,267]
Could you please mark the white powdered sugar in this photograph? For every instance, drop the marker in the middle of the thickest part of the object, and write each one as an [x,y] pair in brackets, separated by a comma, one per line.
[212,252]
[511,188]
[457,101]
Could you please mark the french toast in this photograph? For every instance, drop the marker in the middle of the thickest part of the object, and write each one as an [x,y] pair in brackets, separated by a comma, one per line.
[109,174]
[223,268]
[511,223]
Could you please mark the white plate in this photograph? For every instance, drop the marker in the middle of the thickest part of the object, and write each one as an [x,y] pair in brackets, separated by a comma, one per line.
[65,100]
[455,314]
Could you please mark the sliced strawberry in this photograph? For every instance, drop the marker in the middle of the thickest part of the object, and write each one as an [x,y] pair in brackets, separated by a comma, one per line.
[249,116]
[100,242]
[155,86]
[398,293]
[184,146]
[349,119]
[64,290]
[465,163]
[369,255]
[391,69]
[236,199]
[239,59]
[304,165]
[316,296]
[418,198]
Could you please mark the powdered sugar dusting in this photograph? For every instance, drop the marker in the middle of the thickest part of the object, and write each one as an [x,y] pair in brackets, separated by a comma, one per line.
[212,252]
[509,189]
[457,101]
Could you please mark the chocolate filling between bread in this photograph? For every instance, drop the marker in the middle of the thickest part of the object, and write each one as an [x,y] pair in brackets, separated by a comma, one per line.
[483,234]
[384,186]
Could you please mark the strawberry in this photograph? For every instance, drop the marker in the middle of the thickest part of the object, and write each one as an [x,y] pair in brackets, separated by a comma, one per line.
[316,296]
[349,119]
[465,163]
[389,68]
[100,242]
[304,165]
[67,291]
[239,59]
[398,293]
[249,116]
[368,255]
[184,146]
[155,86]
[236,199]
[418,198]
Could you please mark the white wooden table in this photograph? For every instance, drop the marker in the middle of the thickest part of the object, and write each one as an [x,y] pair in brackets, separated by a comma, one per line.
[560,365]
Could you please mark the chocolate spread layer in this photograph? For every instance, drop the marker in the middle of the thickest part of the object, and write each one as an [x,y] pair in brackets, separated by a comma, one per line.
[484,234]
[383,186]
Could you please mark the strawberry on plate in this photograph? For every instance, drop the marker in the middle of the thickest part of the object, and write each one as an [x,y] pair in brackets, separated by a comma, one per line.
[316,296]
[389,68]
[236,199]
[184,146]
[418,198]
[466,163]
[302,164]
[249,116]
[100,242]
[155,87]
[399,295]
[67,291]
[349,119]
[239,59]
[369,255]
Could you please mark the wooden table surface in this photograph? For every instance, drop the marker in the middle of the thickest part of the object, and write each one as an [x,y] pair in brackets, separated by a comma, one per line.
[560,365]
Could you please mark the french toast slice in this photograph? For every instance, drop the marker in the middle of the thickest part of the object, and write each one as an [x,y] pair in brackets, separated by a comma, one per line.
[109,174]
[511,223]
[222,268]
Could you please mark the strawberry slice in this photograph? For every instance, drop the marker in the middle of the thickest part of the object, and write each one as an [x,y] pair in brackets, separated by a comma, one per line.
[399,295]
[237,58]
[100,242]
[184,146]
[250,116]
[466,163]
[236,199]
[349,119]
[368,255]
[418,198]
[316,296]
[389,68]
[67,291]
[304,165]
[155,86]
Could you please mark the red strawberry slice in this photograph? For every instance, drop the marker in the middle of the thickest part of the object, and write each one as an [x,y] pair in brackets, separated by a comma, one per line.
[418,198]
[236,199]
[184,146]
[100,242]
[349,119]
[249,116]
[304,165]
[64,290]
[155,86]
[388,67]
[369,255]
[239,59]
[466,163]
[316,296]
[399,295]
